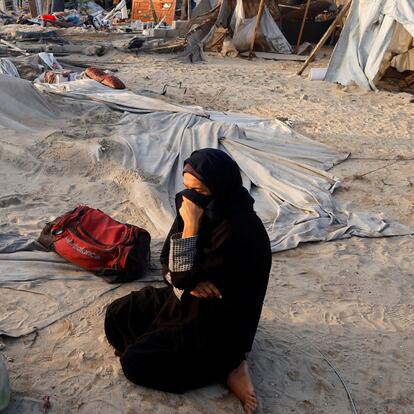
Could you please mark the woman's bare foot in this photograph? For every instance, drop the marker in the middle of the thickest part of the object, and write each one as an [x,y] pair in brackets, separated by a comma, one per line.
[240,384]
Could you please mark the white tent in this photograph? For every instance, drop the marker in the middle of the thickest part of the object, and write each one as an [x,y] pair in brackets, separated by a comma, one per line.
[377,34]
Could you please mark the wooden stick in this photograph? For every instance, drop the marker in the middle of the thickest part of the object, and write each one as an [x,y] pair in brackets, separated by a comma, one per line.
[258,18]
[276,56]
[305,15]
[154,13]
[13,47]
[189,10]
[325,37]
[286,6]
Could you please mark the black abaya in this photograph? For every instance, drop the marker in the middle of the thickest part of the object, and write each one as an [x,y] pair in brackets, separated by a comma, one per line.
[176,344]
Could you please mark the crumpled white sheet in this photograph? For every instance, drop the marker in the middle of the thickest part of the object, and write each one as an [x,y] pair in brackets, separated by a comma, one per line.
[365,39]
[38,288]
[7,68]
[22,107]
[117,99]
[284,171]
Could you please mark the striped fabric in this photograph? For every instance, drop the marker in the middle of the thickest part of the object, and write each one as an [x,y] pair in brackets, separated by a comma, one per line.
[182,253]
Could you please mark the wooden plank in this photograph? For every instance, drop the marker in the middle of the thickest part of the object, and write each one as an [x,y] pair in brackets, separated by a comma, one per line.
[276,56]
[33,8]
[256,28]
[324,38]
[13,47]
[153,12]
[305,16]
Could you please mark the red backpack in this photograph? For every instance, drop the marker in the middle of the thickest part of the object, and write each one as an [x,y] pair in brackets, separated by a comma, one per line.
[94,241]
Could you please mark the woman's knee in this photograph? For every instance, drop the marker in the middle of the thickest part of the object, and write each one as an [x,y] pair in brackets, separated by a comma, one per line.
[151,371]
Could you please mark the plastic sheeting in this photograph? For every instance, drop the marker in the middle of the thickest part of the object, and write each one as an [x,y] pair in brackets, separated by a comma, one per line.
[26,108]
[7,68]
[284,170]
[38,288]
[244,30]
[49,60]
[118,99]
[365,39]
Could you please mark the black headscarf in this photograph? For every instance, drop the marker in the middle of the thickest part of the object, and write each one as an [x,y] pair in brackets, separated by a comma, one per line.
[222,176]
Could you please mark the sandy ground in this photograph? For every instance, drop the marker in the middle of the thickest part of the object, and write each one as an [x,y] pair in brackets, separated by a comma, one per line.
[350,300]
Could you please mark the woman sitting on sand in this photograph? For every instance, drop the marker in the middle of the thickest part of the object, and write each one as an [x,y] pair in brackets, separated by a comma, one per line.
[198,329]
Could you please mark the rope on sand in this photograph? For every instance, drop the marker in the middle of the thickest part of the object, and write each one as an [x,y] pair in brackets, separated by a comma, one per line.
[348,392]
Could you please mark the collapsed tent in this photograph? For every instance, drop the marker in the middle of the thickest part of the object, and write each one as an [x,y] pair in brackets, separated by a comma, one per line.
[237,20]
[229,28]
[376,35]
[81,142]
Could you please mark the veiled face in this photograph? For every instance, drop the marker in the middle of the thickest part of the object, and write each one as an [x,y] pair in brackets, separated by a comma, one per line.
[193,183]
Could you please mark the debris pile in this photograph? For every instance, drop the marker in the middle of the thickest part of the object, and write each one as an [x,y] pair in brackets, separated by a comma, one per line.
[223,26]
[229,28]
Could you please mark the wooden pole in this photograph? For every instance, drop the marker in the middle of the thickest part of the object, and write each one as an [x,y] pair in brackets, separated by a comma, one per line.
[189,10]
[256,28]
[305,15]
[325,37]
[153,12]
[13,47]
[280,14]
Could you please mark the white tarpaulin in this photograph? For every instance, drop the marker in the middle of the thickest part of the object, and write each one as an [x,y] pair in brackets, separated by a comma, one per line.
[365,39]
[243,31]
[4,385]
[139,155]
[38,288]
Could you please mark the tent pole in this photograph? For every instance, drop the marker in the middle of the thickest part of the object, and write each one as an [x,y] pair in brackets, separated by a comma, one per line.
[305,15]
[325,37]
[256,28]
[154,13]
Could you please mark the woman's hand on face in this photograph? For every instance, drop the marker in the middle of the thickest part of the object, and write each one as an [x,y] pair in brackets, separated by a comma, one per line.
[191,214]
[206,290]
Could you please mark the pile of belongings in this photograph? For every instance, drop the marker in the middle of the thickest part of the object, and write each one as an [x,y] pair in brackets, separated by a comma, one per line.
[54,73]
[90,15]
[59,76]
[70,18]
